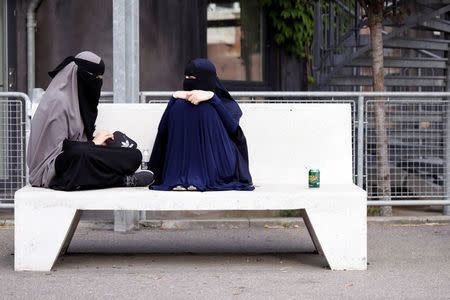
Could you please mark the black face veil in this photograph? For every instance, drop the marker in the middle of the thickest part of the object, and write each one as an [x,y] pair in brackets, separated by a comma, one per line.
[89,88]
[205,77]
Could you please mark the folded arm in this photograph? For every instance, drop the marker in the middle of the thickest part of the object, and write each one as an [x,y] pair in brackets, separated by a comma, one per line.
[198,96]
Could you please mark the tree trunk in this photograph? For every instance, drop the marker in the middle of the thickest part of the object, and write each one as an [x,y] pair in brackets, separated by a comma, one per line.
[383,170]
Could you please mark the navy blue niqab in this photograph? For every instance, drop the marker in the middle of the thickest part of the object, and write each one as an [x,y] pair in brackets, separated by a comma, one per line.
[201,145]
[207,80]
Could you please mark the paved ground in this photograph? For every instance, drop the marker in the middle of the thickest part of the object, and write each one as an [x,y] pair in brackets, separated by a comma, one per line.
[405,261]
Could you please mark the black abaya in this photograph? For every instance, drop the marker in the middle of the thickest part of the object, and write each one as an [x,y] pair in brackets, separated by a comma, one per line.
[84,165]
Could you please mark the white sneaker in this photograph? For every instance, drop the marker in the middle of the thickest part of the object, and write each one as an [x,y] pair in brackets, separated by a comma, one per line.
[191,188]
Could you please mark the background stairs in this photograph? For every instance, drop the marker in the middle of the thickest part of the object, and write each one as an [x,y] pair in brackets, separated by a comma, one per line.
[416,49]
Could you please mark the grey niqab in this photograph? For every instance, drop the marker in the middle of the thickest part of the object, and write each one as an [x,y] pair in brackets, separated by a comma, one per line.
[57,118]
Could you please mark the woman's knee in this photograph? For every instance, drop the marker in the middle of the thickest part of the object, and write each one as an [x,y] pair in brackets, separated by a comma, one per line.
[136,157]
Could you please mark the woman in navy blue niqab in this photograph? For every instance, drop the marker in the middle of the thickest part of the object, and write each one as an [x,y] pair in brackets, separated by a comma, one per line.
[200,145]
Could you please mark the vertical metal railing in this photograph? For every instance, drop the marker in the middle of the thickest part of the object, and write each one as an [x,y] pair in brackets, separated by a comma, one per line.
[336,34]
[359,141]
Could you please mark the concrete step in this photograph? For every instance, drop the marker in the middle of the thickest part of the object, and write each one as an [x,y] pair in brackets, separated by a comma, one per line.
[433,2]
[402,43]
[423,44]
[438,81]
[402,62]
[435,25]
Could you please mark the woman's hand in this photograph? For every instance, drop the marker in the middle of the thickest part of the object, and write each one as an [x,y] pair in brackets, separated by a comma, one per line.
[101,137]
[197,96]
[180,95]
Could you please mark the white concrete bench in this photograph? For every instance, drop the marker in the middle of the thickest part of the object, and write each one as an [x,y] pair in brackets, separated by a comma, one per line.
[284,141]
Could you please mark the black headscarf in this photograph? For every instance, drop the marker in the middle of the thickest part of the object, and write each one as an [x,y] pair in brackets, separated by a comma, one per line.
[89,88]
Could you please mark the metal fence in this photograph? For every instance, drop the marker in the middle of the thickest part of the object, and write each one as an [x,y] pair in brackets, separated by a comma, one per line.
[417,139]
[416,131]
[12,145]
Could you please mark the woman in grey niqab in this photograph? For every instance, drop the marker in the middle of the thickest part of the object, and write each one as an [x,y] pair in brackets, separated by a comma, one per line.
[63,152]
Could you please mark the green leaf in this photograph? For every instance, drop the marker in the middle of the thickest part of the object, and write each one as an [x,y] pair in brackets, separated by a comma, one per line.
[293,21]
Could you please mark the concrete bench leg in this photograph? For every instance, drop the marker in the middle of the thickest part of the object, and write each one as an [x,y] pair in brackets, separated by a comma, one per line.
[41,234]
[340,236]
[72,228]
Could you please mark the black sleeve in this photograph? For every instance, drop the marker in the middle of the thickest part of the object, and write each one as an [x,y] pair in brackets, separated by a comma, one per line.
[237,137]
[229,122]
[162,127]
[68,144]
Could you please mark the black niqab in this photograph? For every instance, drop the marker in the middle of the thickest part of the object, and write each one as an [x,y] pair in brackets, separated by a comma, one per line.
[89,88]
[205,78]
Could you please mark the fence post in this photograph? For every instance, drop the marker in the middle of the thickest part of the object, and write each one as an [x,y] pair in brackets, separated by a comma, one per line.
[446,208]
[126,77]
[360,142]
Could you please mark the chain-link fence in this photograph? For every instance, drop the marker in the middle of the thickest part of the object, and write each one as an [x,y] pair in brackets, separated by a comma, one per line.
[12,147]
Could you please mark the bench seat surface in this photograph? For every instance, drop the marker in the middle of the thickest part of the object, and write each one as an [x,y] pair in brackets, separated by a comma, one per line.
[264,197]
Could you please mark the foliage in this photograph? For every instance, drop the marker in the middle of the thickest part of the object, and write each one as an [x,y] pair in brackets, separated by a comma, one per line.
[293,21]
[382,10]
[373,211]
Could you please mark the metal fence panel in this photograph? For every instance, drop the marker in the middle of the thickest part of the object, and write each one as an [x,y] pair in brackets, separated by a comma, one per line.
[12,148]
[416,131]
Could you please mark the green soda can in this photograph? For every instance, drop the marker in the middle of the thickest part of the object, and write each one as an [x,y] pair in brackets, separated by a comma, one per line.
[314,178]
